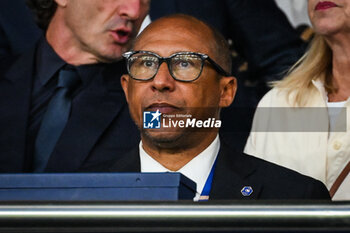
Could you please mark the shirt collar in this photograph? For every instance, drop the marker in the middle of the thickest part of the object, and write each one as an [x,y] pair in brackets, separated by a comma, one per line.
[320,87]
[197,169]
[49,63]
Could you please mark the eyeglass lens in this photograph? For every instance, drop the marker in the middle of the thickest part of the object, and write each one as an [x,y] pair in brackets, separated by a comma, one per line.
[185,67]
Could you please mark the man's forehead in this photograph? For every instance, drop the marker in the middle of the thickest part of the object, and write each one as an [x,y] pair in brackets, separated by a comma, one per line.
[178,23]
[174,35]
[165,48]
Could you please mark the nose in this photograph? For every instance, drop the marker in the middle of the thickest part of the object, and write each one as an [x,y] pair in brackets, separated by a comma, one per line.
[163,81]
[132,9]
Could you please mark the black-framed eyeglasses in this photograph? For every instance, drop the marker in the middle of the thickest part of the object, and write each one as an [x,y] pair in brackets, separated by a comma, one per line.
[183,66]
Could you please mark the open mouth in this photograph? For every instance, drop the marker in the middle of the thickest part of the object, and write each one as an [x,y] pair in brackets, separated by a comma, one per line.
[121,36]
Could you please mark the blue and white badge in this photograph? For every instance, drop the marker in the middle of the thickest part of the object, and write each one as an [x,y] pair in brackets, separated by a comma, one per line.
[151,120]
[247,191]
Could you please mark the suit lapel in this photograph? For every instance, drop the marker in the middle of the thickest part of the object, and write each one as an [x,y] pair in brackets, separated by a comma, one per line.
[93,111]
[232,173]
[15,92]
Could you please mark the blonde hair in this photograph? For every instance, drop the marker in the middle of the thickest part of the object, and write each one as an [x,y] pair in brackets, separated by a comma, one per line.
[315,64]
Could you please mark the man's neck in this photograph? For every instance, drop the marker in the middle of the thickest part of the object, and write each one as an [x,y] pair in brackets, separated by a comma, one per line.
[175,158]
[61,39]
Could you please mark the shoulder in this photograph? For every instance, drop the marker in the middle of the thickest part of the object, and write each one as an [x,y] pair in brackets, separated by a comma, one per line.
[25,57]
[276,97]
[18,64]
[127,162]
[269,116]
[8,63]
[286,182]
[277,182]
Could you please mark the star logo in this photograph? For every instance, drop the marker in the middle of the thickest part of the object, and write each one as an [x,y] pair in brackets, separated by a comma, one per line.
[151,120]
[156,115]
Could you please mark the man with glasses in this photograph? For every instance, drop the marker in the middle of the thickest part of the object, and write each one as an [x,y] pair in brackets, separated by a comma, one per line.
[179,79]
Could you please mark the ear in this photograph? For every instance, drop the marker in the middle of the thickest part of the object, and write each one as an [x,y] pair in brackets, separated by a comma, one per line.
[125,84]
[61,3]
[228,87]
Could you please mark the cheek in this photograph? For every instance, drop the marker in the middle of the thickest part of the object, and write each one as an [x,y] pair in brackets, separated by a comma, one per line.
[203,96]
[144,8]
[311,17]
[347,15]
[101,5]
[135,98]
[312,4]
[78,20]
[311,12]
[134,108]
[310,8]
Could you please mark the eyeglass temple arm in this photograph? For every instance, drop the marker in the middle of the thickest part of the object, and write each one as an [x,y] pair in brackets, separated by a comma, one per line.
[218,68]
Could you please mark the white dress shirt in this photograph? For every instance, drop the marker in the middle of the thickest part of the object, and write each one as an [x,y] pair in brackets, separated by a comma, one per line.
[197,169]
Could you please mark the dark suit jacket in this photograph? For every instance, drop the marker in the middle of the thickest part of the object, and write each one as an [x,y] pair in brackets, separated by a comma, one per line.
[260,31]
[18,31]
[98,129]
[236,170]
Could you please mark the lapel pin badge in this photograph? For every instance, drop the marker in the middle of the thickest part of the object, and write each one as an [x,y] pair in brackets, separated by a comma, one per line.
[247,191]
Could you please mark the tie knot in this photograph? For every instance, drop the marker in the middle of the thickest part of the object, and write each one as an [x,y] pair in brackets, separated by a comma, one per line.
[68,78]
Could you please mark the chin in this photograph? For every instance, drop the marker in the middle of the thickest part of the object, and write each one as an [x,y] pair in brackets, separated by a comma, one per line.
[112,53]
[327,28]
[164,139]
[112,57]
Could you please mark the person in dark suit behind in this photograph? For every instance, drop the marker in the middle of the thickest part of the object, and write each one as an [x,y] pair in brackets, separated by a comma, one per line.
[62,106]
[259,30]
[18,31]
[261,35]
[179,79]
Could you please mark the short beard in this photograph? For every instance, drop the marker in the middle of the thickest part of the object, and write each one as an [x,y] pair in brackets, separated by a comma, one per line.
[178,142]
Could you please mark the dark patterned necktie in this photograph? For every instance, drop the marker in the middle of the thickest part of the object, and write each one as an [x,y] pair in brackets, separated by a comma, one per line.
[55,118]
